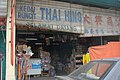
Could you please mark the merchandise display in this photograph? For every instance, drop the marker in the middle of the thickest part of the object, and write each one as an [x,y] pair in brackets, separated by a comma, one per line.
[45,60]
[77,57]
[24,53]
[35,67]
[59,54]
[78,60]
[22,65]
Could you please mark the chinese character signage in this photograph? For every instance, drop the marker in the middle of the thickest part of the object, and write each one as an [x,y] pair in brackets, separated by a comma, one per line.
[101,23]
[49,15]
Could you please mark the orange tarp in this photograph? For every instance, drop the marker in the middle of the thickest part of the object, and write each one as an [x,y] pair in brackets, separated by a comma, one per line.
[110,50]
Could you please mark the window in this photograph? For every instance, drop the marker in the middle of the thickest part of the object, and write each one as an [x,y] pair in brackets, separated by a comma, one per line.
[93,70]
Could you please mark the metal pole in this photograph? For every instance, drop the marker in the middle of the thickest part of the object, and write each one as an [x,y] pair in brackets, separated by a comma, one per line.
[101,40]
[119,38]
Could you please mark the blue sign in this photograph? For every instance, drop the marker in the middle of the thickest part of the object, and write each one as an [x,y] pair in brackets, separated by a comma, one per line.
[48,14]
[36,65]
[50,17]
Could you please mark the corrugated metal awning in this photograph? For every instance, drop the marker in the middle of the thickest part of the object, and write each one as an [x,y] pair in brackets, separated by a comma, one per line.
[3,7]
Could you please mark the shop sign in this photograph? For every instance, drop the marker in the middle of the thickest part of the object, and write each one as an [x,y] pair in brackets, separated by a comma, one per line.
[3,8]
[101,23]
[49,15]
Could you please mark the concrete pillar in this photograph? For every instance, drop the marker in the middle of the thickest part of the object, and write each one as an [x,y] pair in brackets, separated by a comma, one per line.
[10,68]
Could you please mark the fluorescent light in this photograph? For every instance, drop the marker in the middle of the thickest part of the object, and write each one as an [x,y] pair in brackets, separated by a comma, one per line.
[38,43]
[31,38]
[51,37]
[26,33]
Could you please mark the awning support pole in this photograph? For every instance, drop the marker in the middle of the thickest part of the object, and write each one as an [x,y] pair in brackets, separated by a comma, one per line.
[101,40]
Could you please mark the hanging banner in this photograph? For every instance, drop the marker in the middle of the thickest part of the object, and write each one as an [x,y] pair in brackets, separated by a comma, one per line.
[101,22]
[3,8]
[50,15]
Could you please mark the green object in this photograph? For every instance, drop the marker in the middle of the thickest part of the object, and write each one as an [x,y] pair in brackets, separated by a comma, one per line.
[3,50]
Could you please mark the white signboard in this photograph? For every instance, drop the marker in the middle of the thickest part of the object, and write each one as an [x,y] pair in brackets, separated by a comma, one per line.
[3,8]
[49,15]
[101,23]
[35,67]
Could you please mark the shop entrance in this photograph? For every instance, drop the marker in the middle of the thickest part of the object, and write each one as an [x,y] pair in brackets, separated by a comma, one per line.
[52,49]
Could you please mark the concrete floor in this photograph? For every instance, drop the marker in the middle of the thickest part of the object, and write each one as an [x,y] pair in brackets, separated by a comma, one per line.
[42,78]
[59,73]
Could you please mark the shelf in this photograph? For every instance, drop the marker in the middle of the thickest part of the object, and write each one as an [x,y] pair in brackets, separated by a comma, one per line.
[78,61]
[45,73]
[78,55]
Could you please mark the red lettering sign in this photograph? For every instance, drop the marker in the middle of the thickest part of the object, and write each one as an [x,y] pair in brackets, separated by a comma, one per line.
[118,24]
[98,20]
[86,19]
[109,21]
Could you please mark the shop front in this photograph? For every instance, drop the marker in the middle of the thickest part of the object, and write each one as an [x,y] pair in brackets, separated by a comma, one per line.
[101,25]
[49,30]
[58,34]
